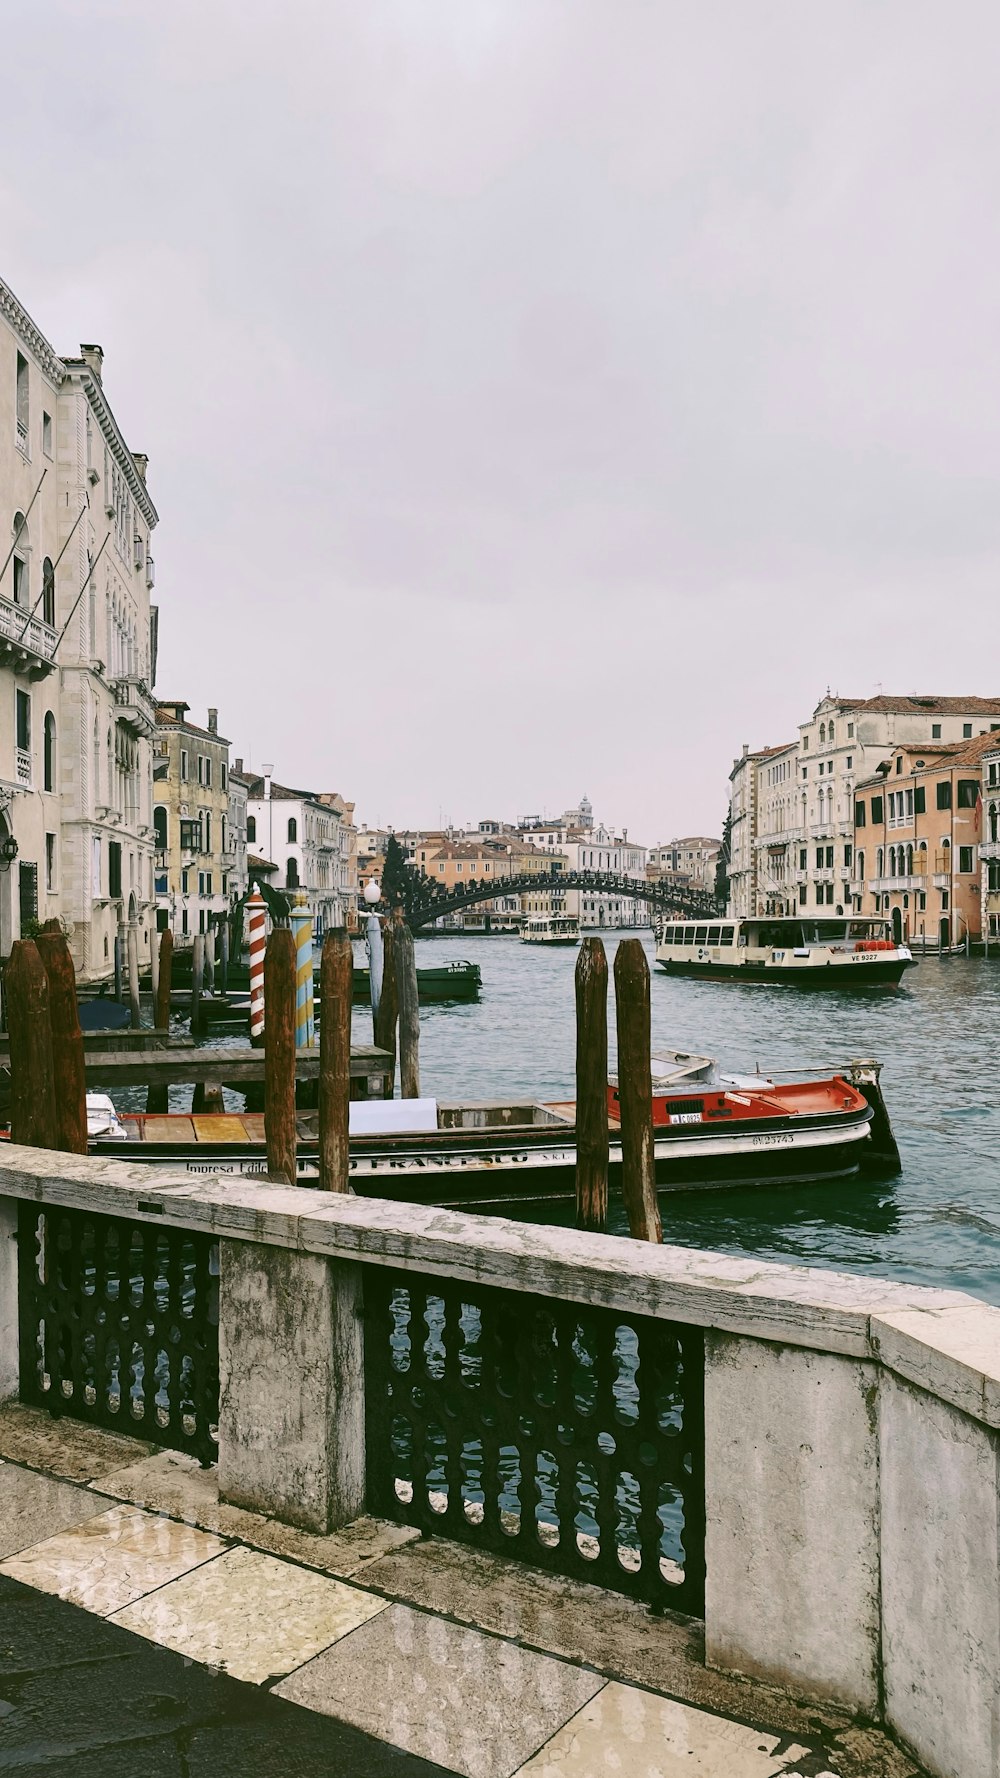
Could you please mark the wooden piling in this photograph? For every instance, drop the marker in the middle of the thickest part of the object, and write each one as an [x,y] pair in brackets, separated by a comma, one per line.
[119,961]
[154,969]
[132,954]
[336,993]
[405,970]
[161,1016]
[592,1086]
[68,1067]
[210,960]
[279,1055]
[224,956]
[197,980]
[33,1119]
[635,1091]
[388,1008]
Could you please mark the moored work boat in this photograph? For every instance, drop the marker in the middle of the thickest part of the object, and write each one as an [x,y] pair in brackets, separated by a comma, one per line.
[808,951]
[710,1130]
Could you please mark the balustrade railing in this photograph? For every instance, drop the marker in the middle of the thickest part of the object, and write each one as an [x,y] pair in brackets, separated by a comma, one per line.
[571,1437]
[119,1325]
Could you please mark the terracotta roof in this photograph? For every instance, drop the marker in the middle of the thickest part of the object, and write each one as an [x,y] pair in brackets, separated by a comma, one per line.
[942,754]
[255,863]
[280,792]
[165,718]
[918,704]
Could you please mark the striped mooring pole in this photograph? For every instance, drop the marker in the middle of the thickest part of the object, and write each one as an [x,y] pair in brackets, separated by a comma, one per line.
[256,923]
[302,932]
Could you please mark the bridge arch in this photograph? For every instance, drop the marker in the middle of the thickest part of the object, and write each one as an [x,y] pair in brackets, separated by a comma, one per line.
[425,902]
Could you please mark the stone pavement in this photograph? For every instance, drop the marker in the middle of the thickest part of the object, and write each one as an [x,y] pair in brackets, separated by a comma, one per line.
[147,1628]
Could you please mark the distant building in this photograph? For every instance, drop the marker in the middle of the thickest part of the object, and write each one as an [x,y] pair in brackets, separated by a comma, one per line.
[695,859]
[792,807]
[587,845]
[989,851]
[301,833]
[919,834]
[195,857]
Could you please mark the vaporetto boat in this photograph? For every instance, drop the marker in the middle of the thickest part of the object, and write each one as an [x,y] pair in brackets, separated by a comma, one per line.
[809,952]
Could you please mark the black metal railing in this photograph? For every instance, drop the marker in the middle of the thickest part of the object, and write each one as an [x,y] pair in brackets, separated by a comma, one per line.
[569,1437]
[119,1325]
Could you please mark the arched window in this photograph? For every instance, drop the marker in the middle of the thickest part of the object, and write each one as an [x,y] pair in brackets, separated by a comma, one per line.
[822,734]
[293,830]
[160,827]
[291,874]
[49,768]
[831,734]
[994,818]
[207,830]
[879,860]
[222,841]
[251,827]
[859,863]
[909,861]
[48,593]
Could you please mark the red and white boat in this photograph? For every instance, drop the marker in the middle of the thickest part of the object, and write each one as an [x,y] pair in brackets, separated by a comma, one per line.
[710,1130]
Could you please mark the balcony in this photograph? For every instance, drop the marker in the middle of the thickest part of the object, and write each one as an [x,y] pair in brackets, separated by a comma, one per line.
[22,765]
[990,849]
[26,644]
[134,707]
[21,437]
[880,885]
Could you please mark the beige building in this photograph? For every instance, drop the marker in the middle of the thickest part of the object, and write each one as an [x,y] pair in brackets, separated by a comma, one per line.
[196,878]
[920,827]
[792,807]
[695,859]
[989,850]
[78,646]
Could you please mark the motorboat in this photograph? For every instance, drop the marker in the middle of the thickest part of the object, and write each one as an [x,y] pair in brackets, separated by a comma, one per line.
[808,951]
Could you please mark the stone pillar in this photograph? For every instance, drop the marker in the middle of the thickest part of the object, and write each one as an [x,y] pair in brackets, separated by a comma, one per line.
[9,1345]
[940,1580]
[792,1551]
[292,1390]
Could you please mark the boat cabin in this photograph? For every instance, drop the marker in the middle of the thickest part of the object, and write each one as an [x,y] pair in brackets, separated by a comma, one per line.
[773,933]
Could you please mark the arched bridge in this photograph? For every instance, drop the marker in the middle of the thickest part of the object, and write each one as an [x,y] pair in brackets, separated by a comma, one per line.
[425,900]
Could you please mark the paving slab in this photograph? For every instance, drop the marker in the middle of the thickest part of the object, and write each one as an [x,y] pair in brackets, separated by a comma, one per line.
[470,1702]
[112,1559]
[588,1624]
[250,1615]
[62,1447]
[630,1731]
[175,1483]
[33,1506]
[92,1700]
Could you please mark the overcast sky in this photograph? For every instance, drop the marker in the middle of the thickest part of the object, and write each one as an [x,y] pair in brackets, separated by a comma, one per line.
[542,396]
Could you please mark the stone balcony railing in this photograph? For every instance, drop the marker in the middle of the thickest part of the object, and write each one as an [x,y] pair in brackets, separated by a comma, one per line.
[807,1460]
[26,643]
[134,706]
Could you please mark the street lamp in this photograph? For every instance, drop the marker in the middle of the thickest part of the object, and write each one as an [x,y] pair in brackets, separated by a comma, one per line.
[8,852]
[372,892]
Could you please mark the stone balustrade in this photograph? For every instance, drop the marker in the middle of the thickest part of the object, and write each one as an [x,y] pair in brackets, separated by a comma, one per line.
[850,1441]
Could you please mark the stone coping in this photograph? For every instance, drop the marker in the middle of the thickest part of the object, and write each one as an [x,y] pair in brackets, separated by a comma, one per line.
[945,1341]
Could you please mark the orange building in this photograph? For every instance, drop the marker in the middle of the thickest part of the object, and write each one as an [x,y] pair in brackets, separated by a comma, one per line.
[918,834]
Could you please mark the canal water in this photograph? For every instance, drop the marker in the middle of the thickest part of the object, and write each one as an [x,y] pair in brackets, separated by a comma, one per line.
[937,1036]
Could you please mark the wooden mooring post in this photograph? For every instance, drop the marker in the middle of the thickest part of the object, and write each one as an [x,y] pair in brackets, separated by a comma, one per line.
[33,1119]
[224,956]
[405,970]
[635,1091]
[132,956]
[388,1007]
[158,1096]
[592,1086]
[336,993]
[280,1129]
[68,1066]
[197,980]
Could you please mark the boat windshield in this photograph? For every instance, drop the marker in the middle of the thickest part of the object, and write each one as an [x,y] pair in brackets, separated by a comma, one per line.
[790,933]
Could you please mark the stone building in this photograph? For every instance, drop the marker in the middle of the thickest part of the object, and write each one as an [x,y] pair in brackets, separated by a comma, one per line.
[196,875]
[989,850]
[919,840]
[77,518]
[792,807]
[300,832]
[694,859]
[589,845]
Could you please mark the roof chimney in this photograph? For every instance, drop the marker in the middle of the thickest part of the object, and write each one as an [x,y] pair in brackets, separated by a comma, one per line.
[267,770]
[213,722]
[141,462]
[238,768]
[93,357]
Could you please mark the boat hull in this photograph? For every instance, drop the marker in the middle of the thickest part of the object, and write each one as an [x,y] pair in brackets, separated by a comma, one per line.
[828,975]
[502,1170]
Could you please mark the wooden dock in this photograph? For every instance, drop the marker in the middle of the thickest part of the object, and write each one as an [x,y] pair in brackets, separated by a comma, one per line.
[217,1067]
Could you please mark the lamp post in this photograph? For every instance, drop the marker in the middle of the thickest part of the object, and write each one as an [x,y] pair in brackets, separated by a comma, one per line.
[373,941]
